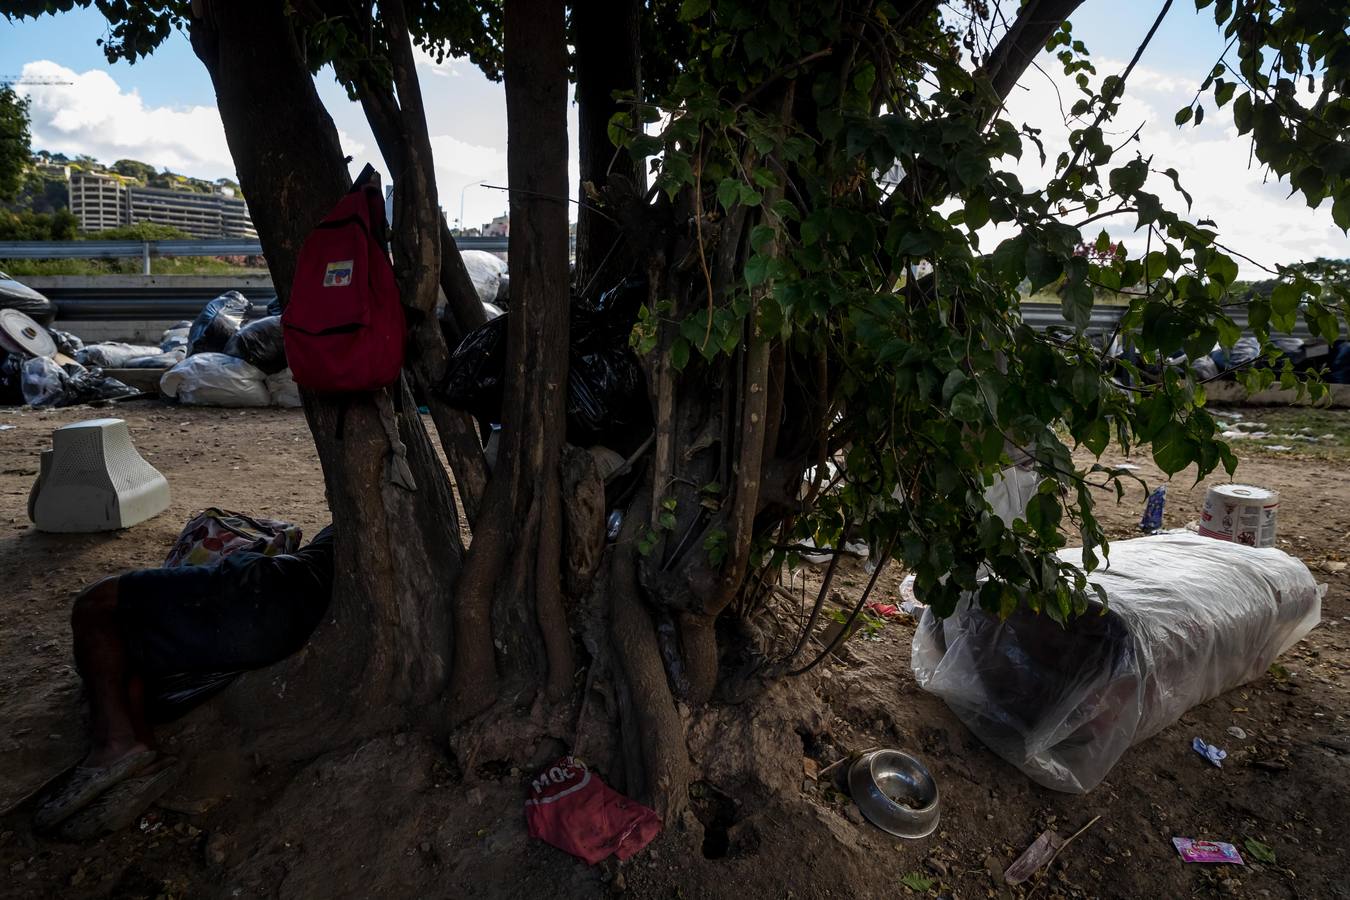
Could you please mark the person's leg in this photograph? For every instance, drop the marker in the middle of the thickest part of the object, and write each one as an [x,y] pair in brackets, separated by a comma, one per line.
[100,655]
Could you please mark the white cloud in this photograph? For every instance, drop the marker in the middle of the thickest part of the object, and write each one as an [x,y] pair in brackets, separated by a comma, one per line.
[93,115]
[1255,218]
[447,68]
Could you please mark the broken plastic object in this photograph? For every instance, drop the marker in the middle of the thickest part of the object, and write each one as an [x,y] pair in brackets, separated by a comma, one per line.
[1187,618]
[94,480]
[1215,755]
[1193,851]
[572,809]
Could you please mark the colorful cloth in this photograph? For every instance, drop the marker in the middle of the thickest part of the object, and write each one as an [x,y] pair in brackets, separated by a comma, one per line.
[214,534]
[572,809]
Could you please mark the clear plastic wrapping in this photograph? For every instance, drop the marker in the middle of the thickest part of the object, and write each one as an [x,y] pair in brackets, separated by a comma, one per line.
[1187,618]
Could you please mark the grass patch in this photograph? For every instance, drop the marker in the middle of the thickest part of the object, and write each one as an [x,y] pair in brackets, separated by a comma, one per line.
[176,265]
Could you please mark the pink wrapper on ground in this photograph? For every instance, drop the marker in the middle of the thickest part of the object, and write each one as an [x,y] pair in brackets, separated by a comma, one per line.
[1195,851]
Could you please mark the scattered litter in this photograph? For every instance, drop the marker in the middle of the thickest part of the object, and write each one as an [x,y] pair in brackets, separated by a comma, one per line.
[573,810]
[1259,851]
[1332,566]
[1215,755]
[1278,447]
[7,427]
[1126,467]
[885,610]
[1236,732]
[1034,857]
[1193,851]
[1152,518]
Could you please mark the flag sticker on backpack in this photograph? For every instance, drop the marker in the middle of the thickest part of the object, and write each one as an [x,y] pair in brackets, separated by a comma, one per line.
[338,274]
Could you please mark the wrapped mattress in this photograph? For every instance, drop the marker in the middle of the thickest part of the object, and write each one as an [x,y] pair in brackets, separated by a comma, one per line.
[1187,618]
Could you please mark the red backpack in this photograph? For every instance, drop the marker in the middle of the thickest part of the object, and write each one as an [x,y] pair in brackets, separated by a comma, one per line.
[344,325]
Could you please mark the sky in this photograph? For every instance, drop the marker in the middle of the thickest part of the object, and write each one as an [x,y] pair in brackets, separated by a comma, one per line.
[161,110]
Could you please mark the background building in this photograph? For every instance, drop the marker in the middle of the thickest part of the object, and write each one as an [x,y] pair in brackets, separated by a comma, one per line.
[102,201]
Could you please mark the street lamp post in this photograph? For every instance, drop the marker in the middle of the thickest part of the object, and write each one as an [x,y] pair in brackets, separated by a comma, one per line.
[461,199]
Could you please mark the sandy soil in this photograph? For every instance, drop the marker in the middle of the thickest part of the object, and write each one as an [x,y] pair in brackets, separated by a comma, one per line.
[397,817]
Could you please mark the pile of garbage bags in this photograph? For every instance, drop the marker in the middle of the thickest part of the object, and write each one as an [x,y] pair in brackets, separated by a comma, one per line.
[228,360]
[606,391]
[1332,360]
[40,367]
[1187,618]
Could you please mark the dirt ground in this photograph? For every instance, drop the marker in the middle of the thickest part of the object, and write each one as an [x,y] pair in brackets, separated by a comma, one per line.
[397,816]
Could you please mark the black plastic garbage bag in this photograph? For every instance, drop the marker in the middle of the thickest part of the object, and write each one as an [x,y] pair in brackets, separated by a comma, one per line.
[176,337]
[113,354]
[66,342]
[606,391]
[172,696]
[1244,353]
[261,343]
[1340,363]
[11,379]
[15,295]
[274,306]
[476,371]
[217,323]
[156,360]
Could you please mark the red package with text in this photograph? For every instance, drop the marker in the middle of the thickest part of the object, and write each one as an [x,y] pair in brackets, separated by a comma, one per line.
[572,809]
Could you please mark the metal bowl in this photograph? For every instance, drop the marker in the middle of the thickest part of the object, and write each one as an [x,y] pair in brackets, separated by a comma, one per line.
[895,793]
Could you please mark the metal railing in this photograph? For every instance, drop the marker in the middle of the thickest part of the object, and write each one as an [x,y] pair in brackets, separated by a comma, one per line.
[148,250]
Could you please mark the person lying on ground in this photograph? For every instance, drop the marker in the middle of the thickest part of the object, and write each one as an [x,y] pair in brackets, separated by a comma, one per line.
[134,631]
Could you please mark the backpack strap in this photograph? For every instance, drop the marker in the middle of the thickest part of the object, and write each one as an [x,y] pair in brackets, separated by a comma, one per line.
[397,471]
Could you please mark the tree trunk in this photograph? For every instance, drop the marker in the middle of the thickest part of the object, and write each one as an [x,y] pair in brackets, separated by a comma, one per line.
[607,60]
[382,650]
[512,635]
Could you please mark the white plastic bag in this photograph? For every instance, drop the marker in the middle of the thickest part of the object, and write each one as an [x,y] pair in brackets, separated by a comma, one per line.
[1188,618]
[214,379]
[485,271]
[282,390]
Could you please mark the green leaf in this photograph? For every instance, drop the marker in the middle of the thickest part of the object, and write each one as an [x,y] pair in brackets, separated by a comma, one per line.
[692,9]
[1173,449]
[1223,91]
[1259,851]
[679,354]
[1184,115]
[966,407]
[760,236]
[915,881]
[728,191]
[1284,299]
[1042,267]
[756,270]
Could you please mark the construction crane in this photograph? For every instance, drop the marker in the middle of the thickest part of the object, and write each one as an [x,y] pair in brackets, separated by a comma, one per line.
[32,82]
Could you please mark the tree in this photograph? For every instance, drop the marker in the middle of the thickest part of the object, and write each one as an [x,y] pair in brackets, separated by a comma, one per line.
[132,168]
[15,141]
[787,327]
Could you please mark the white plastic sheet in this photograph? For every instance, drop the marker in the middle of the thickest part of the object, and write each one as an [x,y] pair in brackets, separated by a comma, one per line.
[1188,618]
[214,379]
